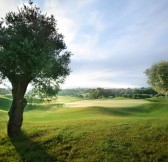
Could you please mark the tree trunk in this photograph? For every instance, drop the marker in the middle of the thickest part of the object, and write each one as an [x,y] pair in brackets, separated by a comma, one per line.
[16,110]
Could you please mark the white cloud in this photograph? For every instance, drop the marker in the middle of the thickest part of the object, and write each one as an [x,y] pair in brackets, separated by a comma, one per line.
[99,78]
[126,39]
[66,24]
[6,6]
[88,49]
[83,45]
[117,38]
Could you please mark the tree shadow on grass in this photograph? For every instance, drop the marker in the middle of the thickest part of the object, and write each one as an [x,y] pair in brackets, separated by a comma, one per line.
[5,103]
[29,150]
[127,111]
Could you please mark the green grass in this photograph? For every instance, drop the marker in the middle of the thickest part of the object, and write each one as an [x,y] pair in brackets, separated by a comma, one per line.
[5,102]
[106,103]
[89,131]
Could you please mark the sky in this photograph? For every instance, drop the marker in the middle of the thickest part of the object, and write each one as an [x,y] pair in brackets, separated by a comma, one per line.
[113,41]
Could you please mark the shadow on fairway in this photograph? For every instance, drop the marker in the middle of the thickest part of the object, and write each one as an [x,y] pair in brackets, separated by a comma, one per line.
[123,112]
[5,103]
[30,151]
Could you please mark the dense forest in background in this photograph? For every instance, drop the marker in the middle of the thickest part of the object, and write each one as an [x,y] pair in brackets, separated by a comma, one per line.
[4,91]
[98,93]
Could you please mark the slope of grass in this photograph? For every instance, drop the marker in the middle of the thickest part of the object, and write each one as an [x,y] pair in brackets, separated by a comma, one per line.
[5,102]
[138,132]
[106,103]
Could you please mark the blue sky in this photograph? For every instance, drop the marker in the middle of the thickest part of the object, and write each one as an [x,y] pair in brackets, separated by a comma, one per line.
[113,41]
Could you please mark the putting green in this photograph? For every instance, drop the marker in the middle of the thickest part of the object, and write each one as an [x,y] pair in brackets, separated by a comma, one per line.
[106,103]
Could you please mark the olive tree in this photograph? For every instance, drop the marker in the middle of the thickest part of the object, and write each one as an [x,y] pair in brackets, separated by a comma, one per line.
[158,77]
[31,51]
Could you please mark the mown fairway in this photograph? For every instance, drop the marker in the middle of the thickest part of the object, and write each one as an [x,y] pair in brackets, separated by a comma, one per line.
[88,131]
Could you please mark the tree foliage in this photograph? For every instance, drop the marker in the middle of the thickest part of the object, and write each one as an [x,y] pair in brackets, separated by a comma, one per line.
[98,93]
[31,51]
[158,77]
[31,48]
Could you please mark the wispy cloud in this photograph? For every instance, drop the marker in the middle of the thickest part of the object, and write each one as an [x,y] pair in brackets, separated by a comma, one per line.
[106,79]
[81,31]
[6,6]
[113,42]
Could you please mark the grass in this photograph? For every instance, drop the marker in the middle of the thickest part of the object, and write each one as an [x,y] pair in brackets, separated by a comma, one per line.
[89,131]
[106,103]
[5,102]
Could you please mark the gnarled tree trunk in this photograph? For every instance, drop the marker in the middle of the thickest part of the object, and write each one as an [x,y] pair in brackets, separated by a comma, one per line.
[16,110]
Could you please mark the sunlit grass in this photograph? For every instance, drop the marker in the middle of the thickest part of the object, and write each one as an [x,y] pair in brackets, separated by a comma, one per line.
[106,103]
[133,130]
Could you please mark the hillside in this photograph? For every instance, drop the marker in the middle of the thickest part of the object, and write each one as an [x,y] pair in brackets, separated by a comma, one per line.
[105,130]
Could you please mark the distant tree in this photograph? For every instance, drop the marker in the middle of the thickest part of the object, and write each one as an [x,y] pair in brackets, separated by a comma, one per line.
[4,91]
[158,77]
[31,51]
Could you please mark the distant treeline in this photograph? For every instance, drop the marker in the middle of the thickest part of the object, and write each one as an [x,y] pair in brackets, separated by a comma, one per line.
[4,91]
[98,93]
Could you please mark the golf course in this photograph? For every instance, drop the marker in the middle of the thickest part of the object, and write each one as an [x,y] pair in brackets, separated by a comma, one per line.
[77,130]
[83,81]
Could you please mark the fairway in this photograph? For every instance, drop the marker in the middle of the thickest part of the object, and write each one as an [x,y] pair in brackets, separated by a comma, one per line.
[83,81]
[88,131]
[107,103]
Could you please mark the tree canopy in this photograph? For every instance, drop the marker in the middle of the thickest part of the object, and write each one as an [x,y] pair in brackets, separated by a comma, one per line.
[158,77]
[97,93]
[31,48]
[31,51]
